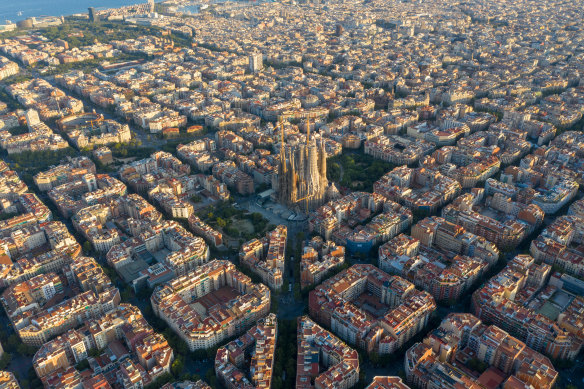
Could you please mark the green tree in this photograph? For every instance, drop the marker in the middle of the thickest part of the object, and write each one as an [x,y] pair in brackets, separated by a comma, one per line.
[160,381]
[477,365]
[127,294]
[87,247]
[210,378]
[25,349]
[374,358]
[221,222]
[177,366]
[5,361]
[275,302]
[84,364]
[13,341]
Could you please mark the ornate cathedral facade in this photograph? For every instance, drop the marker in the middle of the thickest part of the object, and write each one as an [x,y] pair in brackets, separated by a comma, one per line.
[302,178]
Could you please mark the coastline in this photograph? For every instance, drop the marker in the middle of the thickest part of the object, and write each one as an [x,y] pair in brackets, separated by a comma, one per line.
[16,12]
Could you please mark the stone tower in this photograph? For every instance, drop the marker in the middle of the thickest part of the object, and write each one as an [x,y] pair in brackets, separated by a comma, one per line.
[302,174]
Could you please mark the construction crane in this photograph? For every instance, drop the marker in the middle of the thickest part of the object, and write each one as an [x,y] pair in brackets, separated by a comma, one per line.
[91,122]
[305,198]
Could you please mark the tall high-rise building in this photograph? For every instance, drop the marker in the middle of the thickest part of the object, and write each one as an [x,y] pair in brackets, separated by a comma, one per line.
[302,178]
[151,5]
[93,16]
[256,62]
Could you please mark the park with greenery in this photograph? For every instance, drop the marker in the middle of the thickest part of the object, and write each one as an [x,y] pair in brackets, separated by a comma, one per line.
[356,170]
[237,224]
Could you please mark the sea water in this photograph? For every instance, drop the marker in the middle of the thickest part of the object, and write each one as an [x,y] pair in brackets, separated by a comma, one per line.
[15,10]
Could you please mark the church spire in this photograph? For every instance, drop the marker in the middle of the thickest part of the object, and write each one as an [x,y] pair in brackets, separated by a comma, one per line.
[307,131]
[282,156]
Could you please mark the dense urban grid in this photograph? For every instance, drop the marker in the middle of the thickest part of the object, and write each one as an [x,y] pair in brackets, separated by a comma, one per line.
[326,194]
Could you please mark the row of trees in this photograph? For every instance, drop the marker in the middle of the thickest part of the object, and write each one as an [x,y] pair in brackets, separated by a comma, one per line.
[284,371]
[296,264]
[13,348]
[36,161]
